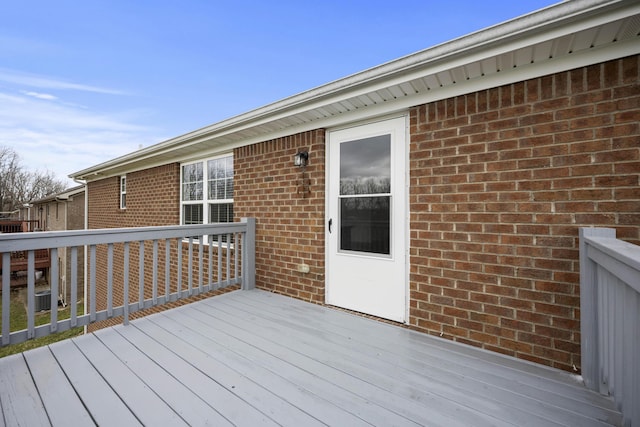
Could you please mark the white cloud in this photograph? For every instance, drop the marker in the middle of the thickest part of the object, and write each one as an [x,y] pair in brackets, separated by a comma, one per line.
[39,95]
[45,82]
[64,138]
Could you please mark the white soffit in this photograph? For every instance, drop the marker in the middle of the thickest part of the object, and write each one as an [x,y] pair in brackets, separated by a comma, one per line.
[558,38]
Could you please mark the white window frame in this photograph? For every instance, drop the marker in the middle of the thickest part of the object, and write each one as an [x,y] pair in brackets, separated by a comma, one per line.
[205,202]
[123,191]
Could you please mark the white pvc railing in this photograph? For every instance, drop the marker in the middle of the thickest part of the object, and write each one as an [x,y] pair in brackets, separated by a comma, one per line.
[610,318]
[191,247]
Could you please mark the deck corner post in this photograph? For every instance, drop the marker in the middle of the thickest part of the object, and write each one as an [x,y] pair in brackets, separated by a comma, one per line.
[249,255]
[589,308]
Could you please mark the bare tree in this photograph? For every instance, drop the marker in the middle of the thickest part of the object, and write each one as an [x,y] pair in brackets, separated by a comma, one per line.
[19,186]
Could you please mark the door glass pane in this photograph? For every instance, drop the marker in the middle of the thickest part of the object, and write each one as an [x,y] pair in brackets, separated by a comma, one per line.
[365,166]
[365,224]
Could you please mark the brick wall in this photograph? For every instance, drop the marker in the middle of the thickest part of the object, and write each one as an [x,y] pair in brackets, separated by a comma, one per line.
[501,180]
[288,209]
[153,199]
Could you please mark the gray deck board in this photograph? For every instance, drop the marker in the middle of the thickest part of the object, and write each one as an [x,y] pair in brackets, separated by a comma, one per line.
[251,358]
[61,402]
[492,404]
[19,398]
[328,401]
[435,366]
[141,400]
[105,406]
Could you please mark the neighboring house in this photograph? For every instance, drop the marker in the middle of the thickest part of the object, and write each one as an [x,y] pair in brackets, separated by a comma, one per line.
[443,190]
[62,211]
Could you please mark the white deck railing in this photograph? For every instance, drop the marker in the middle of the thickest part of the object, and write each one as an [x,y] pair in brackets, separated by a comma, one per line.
[610,318]
[187,250]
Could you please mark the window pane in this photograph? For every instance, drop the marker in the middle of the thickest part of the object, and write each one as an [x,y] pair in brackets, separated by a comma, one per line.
[191,214]
[229,167]
[221,212]
[192,184]
[192,191]
[365,166]
[220,178]
[365,224]
[192,172]
[220,190]
[229,189]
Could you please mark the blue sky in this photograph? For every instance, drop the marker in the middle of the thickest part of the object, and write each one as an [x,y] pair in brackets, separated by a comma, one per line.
[84,81]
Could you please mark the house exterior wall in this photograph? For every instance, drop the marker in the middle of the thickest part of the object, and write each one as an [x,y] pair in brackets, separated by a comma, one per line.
[501,180]
[153,199]
[289,212]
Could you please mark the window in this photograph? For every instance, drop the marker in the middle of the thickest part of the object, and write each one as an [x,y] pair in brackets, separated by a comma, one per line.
[206,194]
[123,192]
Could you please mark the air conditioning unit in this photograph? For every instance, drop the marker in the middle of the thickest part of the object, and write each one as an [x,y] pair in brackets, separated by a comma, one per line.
[43,301]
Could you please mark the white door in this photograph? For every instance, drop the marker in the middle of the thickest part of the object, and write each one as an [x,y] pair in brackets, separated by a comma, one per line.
[366,219]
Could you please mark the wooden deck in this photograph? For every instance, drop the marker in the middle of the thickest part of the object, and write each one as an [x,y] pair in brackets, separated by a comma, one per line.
[254,358]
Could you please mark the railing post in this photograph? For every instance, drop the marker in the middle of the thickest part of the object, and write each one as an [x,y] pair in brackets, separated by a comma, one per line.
[589,316]
[249,255]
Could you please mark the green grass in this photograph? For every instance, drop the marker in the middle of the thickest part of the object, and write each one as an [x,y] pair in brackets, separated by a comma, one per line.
[18,321]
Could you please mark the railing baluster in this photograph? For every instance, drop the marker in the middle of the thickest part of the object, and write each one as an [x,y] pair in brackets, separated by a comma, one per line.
[210,282]
[54,290]
[141,277]
[200,263]
[92,282]
[74,286]
[219,281]
[110,280]
[228,251]
[236,240]
[154,295]
[167,270]
[190,263]
[179,255]
[31,273]
[125,284]
[6,298]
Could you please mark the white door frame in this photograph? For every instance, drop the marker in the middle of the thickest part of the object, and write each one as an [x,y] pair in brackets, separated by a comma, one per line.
[399,129]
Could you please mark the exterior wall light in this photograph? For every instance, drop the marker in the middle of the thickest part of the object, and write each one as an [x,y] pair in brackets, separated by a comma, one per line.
[301,158]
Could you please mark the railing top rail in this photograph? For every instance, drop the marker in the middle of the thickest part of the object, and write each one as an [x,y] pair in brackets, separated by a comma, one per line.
[50,239]
[624,253]
[628,252]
